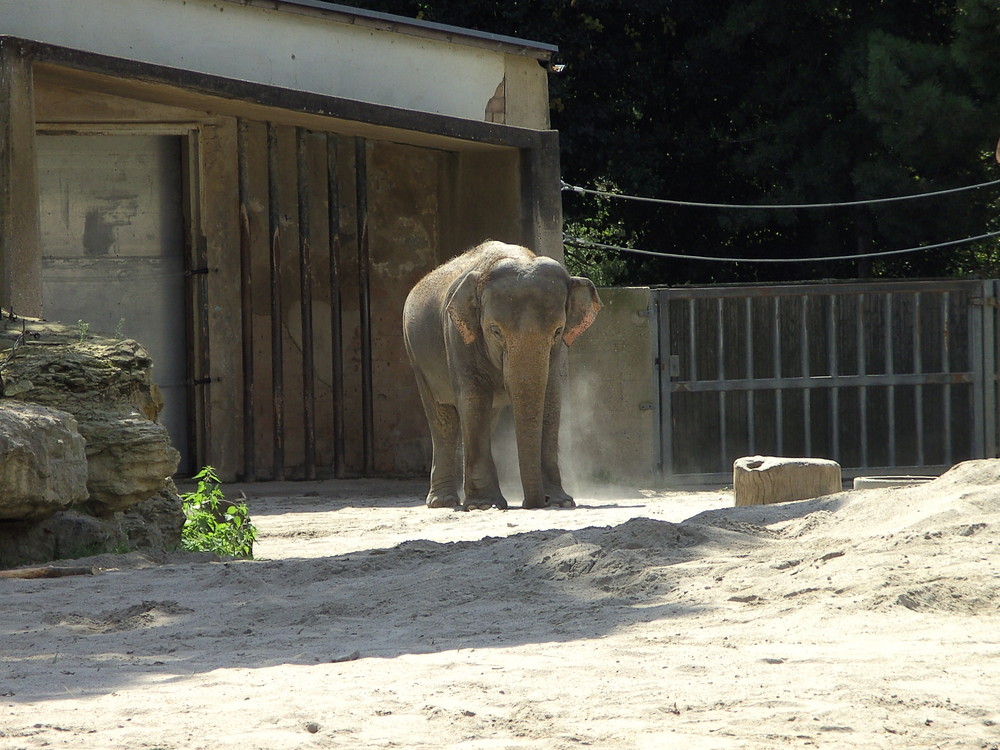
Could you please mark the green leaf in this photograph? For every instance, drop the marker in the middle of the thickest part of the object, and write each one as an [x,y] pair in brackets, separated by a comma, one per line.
[208,529]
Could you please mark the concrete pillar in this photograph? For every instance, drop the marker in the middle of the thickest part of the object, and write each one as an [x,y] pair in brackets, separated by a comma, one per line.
[20,240]
[542,195]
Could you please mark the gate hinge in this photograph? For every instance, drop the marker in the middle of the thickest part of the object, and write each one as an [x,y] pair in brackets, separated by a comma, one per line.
[196,271]
[200,381]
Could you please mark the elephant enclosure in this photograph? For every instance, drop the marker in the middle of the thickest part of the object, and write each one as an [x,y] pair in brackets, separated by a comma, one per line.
[642,619]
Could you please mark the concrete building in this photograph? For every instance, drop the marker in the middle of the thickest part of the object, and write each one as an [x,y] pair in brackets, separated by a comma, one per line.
[250,188]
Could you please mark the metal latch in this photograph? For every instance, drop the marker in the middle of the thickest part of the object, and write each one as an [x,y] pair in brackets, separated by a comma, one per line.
[674,365]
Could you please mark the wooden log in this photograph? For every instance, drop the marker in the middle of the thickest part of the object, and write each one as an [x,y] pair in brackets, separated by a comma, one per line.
[761,480]
[48,571]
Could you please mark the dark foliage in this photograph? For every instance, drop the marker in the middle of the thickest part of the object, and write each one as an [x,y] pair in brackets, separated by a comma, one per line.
[763,102]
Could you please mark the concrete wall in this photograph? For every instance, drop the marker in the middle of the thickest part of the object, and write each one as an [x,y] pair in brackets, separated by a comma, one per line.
[302,48]
[611,422]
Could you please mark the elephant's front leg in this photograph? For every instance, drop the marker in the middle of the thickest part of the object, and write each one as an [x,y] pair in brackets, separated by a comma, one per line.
[482,488]
[555,495]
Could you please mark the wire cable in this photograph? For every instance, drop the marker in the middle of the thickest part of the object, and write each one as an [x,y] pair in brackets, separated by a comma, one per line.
[578,242]
[566,187]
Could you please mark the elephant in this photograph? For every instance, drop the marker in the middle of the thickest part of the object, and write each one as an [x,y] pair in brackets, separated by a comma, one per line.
[485,330]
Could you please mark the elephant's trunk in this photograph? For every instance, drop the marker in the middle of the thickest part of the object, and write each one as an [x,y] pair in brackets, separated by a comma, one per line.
[526,379]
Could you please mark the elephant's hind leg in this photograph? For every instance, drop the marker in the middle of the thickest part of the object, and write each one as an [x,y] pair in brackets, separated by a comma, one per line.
[443,422]
[443,491]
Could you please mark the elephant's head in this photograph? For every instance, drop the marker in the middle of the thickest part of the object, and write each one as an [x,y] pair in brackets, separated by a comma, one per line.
[522,311]
[514,298]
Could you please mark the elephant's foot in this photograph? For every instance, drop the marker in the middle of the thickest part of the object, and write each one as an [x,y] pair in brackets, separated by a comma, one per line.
[557,497]
[443,499]
[565,501]
[485,503]
[560,502]
[531,503]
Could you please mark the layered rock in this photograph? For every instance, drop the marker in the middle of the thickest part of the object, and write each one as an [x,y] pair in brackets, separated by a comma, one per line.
[128,457]
[43,462]
[80,449]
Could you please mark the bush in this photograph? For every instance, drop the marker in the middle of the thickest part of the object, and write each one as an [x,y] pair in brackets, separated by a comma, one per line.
[209,528]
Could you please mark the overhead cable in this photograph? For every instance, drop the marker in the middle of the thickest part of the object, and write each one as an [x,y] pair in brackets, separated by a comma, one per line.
[769,206]
[578,242]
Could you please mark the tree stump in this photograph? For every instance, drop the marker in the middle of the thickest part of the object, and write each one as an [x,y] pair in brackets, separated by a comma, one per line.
[762,480]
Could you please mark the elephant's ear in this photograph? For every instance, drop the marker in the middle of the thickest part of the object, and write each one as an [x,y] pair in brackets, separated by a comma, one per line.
[463,306]
[582,306]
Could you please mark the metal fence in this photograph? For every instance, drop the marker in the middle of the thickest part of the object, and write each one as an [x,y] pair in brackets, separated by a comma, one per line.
[893,377]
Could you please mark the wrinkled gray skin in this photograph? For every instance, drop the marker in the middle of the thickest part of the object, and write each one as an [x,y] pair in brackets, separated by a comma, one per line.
[486,330]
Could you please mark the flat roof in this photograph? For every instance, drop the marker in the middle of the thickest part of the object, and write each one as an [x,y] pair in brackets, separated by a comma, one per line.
[402,24]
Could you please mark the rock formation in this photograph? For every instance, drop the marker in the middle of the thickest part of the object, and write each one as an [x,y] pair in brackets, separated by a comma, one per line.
[84,466]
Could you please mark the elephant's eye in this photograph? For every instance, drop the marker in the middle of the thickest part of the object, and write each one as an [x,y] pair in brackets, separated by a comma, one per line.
[495,330]
[558,333]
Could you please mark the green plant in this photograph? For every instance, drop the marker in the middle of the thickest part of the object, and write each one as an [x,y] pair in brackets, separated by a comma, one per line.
[83,329]
[211,524]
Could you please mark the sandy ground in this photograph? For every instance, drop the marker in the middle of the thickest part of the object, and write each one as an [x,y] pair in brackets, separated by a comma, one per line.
[867,619]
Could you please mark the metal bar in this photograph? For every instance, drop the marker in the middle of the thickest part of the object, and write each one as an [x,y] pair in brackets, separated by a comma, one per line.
[364,264]
[246,305]
[946,366]
[889,370]
[806,394]
[305,281]
[692,341]
[990,447]
[197,326]
[277,354]
[823,381]
[832,366]
[336,320]
[721,360]
[748,353]
[977,327]
[859,323]
[779,411]
[918,389]
[666,405]
[798,290]
[199,413]
[653,324]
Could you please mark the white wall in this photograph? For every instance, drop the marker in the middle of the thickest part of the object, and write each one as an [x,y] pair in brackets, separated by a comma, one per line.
[308,51]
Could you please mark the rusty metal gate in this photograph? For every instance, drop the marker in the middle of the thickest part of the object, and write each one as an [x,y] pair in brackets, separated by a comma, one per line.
[892,377]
